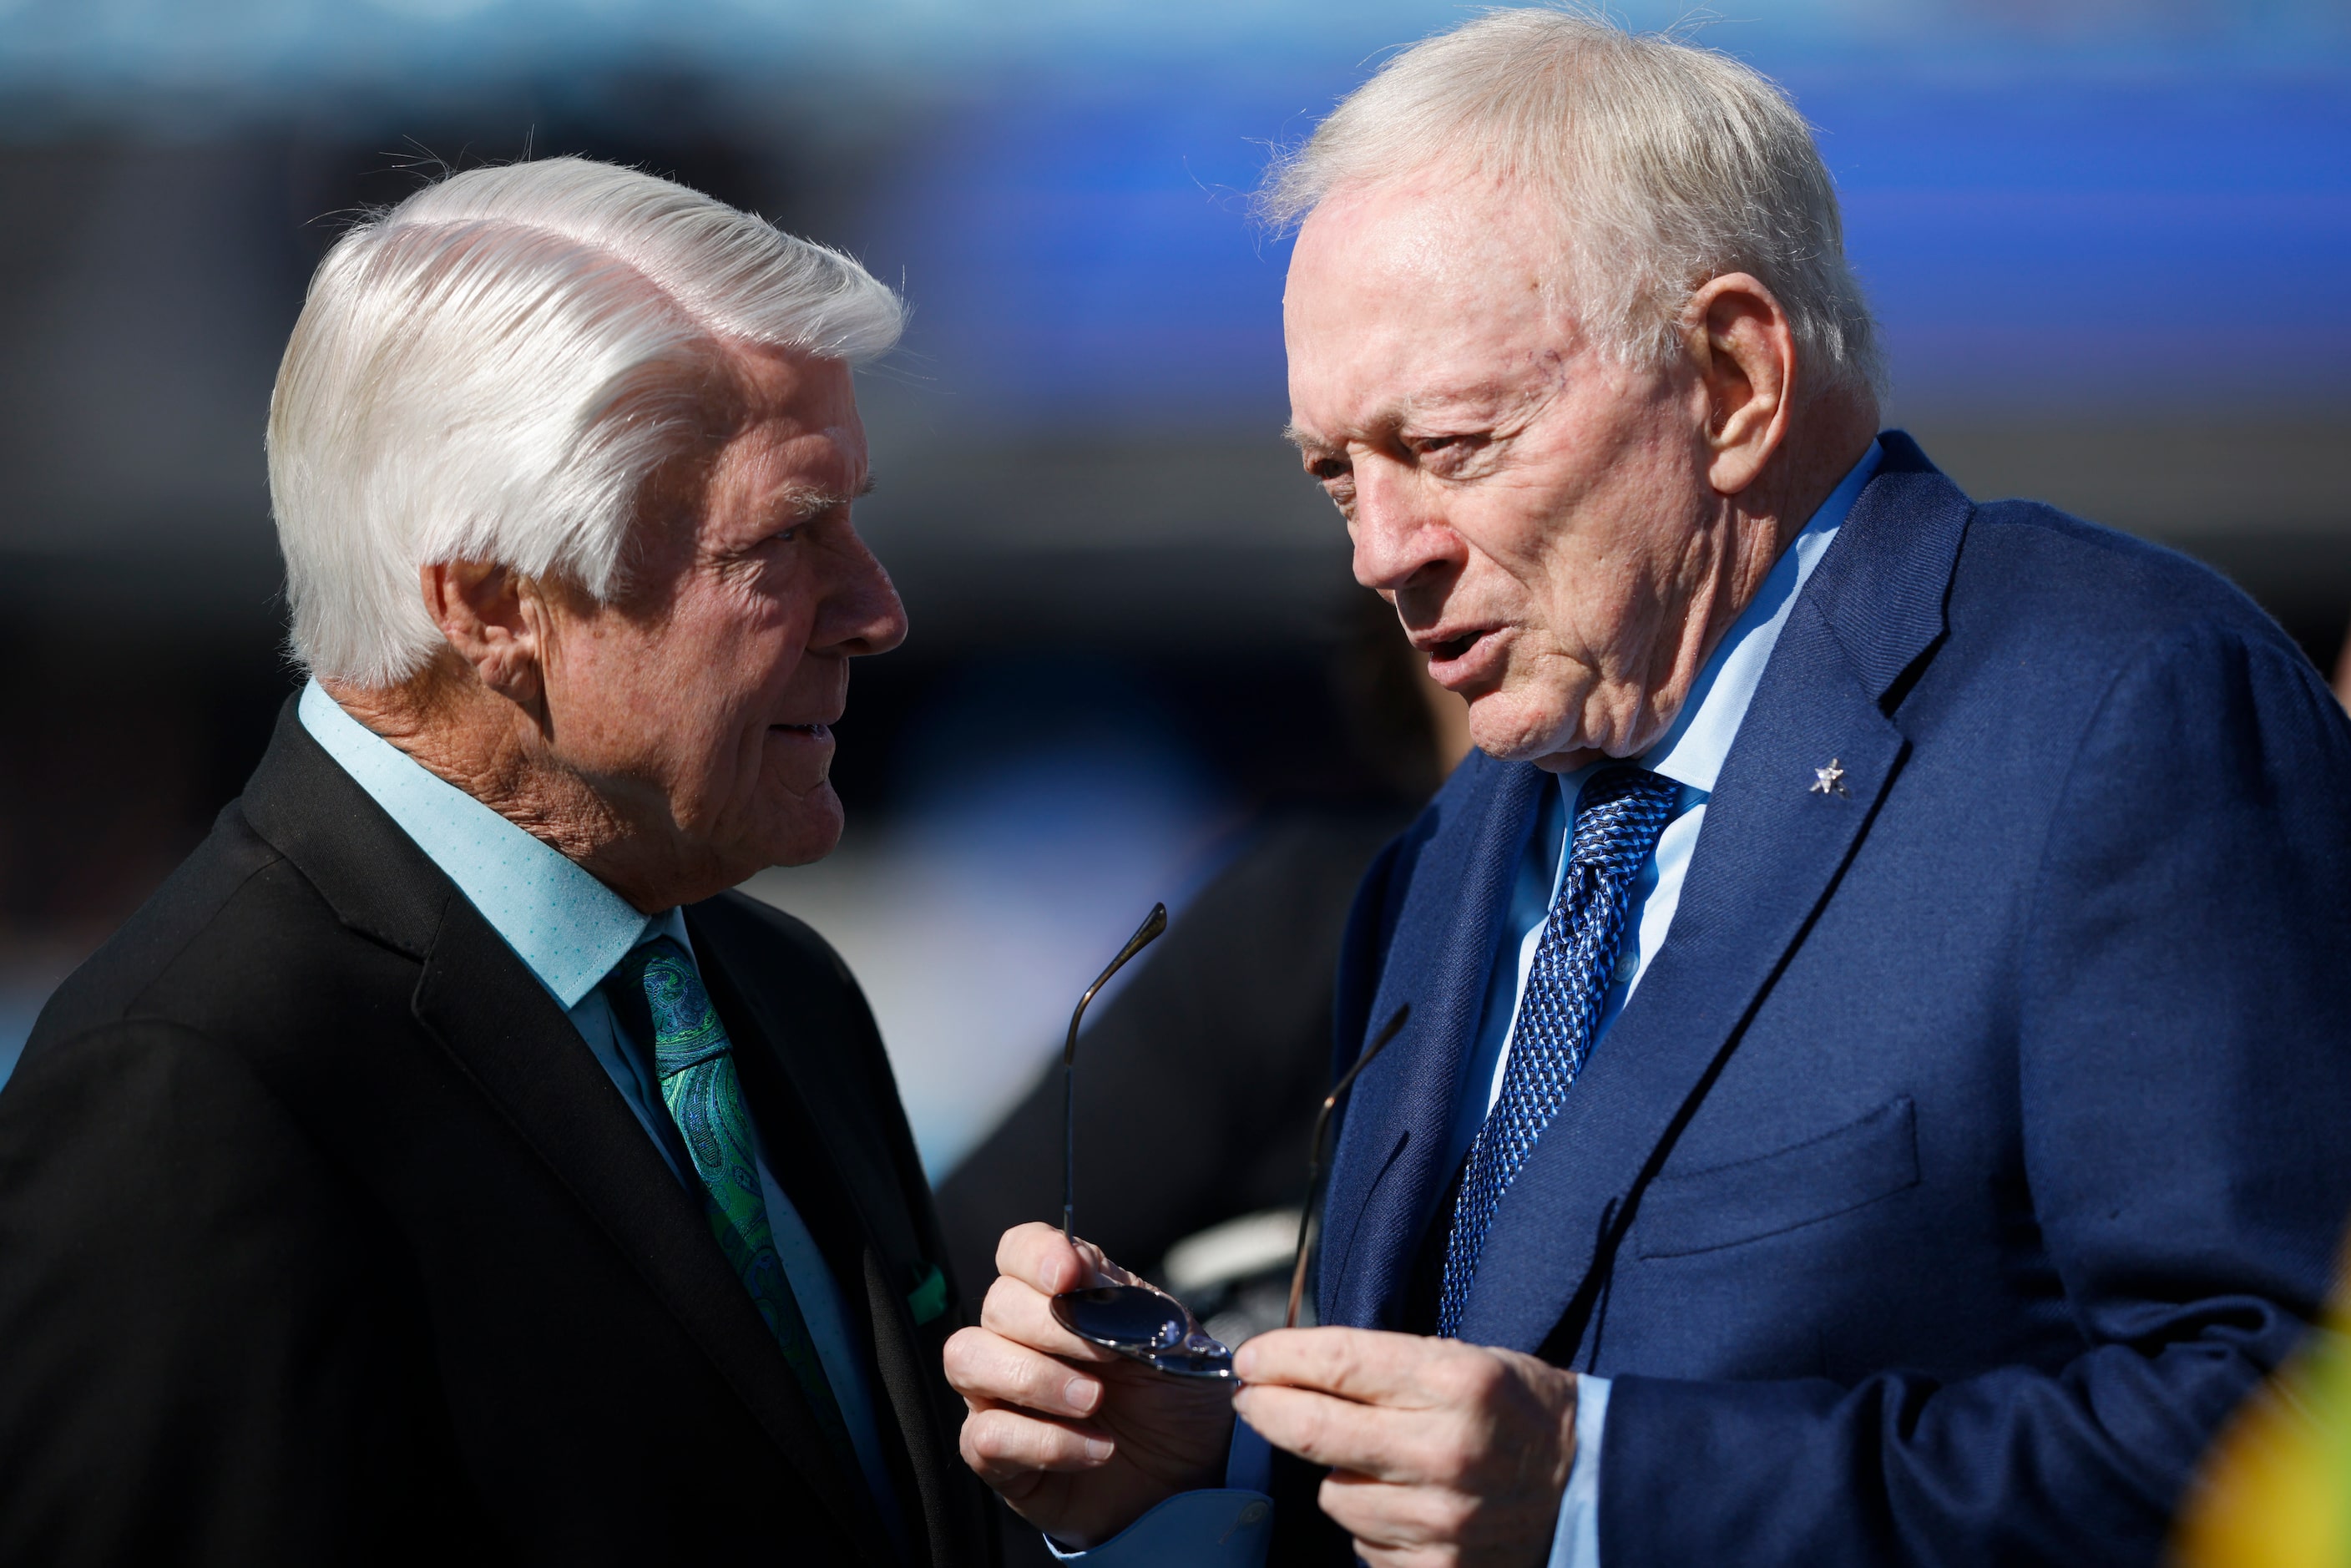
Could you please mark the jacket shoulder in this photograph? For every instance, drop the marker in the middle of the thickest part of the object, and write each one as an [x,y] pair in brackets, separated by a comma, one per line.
[2088,583]
[233,937]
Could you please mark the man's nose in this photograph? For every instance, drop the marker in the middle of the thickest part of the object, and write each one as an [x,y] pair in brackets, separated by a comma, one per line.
[1398,533]
[863,613]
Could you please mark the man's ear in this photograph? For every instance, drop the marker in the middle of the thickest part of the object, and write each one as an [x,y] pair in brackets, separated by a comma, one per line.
[492,621]
[1745,355]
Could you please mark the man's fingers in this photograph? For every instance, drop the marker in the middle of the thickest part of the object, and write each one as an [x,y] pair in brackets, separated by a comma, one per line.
[1365,1364]
[1002,1446]
[1400,1446]
[985,1365]
[1040,1256]
[1397,1517]
[1025,1316]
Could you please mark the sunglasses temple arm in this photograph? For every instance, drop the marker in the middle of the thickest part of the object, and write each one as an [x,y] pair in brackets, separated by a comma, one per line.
[1144,934]
[1069,1147]
[1314,1155]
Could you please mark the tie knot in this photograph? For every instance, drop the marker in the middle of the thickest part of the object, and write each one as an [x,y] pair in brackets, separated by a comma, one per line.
[685,1027]
[1622,813]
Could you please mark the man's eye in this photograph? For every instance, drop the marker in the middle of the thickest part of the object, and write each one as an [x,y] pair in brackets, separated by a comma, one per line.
[1326,469]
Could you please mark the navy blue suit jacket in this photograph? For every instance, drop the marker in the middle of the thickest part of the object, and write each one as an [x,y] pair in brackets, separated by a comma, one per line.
[1976,1140]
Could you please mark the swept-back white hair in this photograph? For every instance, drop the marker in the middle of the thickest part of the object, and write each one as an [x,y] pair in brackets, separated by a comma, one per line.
[493,369]
[1661,165]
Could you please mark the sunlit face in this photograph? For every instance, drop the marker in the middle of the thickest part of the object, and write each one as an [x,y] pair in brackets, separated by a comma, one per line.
[698,704]
[1539,513]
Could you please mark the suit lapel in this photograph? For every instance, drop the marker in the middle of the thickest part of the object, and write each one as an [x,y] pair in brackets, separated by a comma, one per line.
[510,1039]
[827,1108]
[1770,855]
[1389,1169]
[513,1040]
[852,1155]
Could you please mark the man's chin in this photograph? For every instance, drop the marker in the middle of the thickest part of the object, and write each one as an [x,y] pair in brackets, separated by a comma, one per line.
[802,828]
[1506,727]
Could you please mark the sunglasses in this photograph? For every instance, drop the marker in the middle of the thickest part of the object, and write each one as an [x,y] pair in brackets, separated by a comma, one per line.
[1142,1323]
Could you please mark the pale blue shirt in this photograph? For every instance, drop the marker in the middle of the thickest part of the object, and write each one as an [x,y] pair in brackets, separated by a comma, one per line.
[570,930]
[1691,754]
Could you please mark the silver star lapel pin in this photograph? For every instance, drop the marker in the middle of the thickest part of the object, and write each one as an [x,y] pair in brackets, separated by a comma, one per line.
[1829,780]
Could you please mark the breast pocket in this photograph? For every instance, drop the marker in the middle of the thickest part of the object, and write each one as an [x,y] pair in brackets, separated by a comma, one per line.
[1859,1163]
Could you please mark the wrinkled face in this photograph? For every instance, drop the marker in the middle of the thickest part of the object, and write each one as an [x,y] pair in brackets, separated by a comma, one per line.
[699,704]
[1539,515]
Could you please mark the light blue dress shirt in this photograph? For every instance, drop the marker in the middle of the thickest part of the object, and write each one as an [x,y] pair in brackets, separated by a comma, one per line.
[1691,754]
[570,929]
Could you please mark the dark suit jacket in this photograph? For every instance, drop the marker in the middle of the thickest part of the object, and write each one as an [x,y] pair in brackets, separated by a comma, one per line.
[323,1239]
[1976,1138]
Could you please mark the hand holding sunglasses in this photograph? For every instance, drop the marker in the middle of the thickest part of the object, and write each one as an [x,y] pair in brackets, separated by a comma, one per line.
[1092,1395]
[1139,1321]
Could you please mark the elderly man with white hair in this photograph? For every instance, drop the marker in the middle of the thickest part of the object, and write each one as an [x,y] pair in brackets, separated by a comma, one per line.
[1878,1044]
[444,1166]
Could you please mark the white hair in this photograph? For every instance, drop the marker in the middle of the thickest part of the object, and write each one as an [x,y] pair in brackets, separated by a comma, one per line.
[1664,165]
[492,370]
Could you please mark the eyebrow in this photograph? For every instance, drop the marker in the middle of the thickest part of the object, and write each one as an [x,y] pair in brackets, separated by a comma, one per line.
[807,500]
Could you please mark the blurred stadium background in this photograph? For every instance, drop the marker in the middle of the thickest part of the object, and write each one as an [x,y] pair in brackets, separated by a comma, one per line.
[2106,238]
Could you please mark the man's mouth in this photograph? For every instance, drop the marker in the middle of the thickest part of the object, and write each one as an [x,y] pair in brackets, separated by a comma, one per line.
[814,731]
[1446,650]
[1455,647]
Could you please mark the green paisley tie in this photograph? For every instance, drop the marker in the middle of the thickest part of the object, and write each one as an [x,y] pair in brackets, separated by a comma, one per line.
[695,1061]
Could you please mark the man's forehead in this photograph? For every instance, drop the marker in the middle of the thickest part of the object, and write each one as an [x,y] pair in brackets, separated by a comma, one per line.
[822,446]
[1443,225]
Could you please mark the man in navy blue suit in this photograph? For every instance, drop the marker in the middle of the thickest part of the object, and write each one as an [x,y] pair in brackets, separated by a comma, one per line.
[1880,1028]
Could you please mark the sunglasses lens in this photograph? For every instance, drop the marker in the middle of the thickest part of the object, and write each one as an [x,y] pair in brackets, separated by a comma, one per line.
[1122,1317]
[1144,1324]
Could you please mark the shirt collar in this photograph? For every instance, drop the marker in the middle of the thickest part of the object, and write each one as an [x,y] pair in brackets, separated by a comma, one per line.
[1692,751]
[566,927]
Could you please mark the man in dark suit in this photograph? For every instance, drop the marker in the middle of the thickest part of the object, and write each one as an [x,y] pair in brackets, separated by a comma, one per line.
[444,1166]
[1878,1034]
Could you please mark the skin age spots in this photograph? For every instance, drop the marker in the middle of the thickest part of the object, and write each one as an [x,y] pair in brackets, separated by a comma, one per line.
[1564,535]
[676,739]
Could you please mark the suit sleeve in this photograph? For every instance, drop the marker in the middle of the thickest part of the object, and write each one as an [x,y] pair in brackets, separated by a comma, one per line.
[2183,1064]
[199,1367]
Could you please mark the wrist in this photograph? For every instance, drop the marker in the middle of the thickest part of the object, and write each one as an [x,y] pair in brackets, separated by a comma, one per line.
[1568,1428]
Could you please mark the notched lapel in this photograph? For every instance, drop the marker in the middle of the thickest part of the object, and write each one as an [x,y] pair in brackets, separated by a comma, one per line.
[509,1036]
[1388,1172]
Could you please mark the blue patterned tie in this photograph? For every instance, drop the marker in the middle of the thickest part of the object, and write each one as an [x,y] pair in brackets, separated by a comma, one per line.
[695,1061]
[1617,821]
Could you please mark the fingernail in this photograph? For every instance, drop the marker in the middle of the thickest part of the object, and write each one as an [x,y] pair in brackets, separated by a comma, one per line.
[1080,1394]
[1098,1448]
